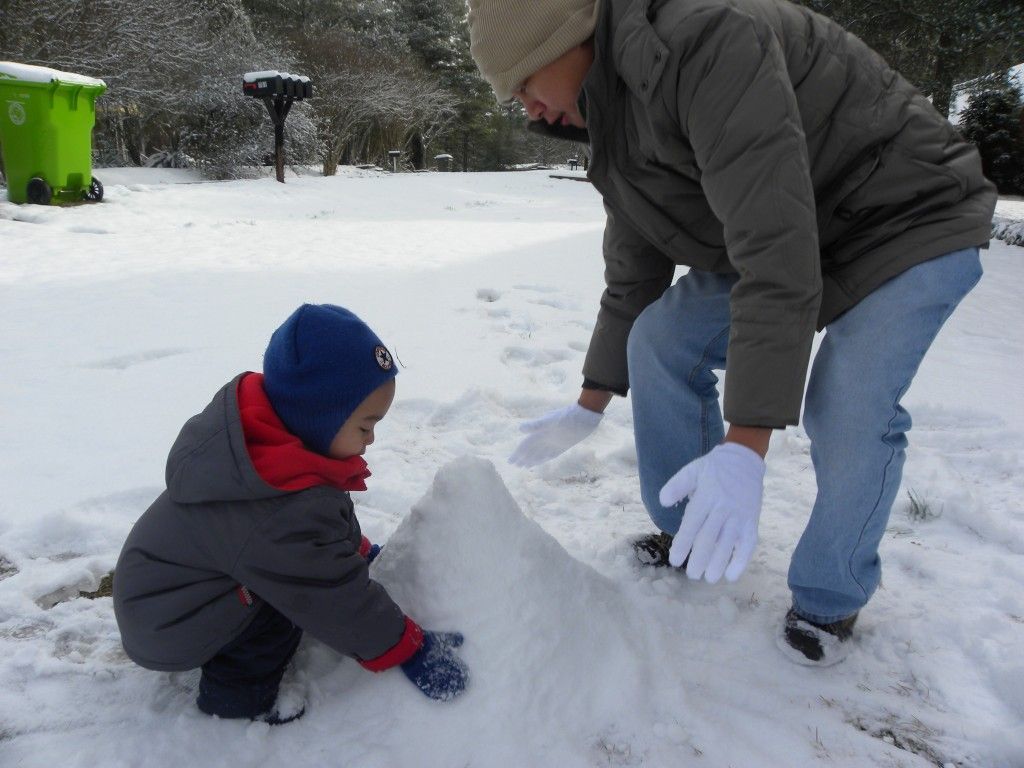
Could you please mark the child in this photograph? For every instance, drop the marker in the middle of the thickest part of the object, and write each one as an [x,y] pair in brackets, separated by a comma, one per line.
[255,539]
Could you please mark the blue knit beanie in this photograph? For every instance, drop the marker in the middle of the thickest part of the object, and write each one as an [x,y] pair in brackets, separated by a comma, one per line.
[318,367]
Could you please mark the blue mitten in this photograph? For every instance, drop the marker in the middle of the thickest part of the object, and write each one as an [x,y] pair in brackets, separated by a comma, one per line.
[372,554]
[435,669]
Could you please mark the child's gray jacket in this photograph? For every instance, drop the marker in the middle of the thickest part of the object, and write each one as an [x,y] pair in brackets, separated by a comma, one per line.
[219,527]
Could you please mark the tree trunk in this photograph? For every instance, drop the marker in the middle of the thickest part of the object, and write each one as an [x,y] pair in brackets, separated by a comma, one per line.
[416,151]
[131,142]
[330,162]
[942,96]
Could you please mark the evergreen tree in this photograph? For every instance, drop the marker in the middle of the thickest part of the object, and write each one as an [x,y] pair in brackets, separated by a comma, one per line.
[992,121]
[935,43]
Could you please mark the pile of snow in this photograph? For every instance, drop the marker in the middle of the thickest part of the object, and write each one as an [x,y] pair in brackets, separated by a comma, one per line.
[33,74]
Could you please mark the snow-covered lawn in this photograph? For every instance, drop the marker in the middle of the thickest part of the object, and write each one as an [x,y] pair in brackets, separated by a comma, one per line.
[119,321]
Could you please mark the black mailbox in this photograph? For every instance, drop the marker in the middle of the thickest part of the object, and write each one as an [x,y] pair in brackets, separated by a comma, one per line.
[260,84]
[278,91]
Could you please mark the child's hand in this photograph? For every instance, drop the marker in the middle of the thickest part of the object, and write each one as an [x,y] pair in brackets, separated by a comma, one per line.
[369,551]
[435,669]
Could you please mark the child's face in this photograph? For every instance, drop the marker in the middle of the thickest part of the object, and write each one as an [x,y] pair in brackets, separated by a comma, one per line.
[357,432]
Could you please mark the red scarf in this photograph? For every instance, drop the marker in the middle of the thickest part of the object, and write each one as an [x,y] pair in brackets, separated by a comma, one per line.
[280,457]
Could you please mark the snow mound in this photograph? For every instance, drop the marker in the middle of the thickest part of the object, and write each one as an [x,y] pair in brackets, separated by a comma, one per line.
[552,645]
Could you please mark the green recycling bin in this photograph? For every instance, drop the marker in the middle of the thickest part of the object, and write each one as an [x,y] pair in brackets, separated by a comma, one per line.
[46,120]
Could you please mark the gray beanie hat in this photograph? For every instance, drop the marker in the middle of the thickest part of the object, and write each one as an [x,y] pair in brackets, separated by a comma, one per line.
[512,39]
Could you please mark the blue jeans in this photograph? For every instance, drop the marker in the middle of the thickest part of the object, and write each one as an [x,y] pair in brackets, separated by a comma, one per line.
[852,413]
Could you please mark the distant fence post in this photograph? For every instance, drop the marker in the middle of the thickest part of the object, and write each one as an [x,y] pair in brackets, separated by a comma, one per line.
[278,91]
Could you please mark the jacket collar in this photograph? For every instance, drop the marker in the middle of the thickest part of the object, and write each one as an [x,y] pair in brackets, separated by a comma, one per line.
[638,54]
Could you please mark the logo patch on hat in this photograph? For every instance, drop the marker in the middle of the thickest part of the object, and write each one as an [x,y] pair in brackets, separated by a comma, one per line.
[384,359]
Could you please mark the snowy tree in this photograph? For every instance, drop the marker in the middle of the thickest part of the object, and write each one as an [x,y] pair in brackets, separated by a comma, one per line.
[173,72]
[992,121]
[936,43]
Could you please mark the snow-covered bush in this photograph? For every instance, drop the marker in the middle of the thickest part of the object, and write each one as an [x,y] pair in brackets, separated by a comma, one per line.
[1008,230]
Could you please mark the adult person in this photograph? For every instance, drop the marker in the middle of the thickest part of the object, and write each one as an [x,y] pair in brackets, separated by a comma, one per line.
[807,185]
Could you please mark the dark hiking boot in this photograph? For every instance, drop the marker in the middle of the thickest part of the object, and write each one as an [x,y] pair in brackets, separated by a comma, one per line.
[652,550]
[289,706]
[816,645]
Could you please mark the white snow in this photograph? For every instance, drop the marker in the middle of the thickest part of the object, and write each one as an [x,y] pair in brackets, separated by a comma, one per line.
[32,74]
[120,321]
[266,74]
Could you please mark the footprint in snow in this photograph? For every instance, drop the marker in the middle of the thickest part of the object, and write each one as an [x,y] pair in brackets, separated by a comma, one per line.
[488,294]
[534,357]
[537,288]
[88,231]
[122,362]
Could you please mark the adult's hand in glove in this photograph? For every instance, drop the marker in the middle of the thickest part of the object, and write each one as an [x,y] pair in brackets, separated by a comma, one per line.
[719,528]
[554,434]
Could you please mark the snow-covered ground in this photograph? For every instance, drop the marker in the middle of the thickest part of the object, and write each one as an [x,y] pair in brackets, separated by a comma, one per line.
[121,320]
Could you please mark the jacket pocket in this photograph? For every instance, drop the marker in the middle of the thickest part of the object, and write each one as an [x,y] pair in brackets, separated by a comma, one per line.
[834,212]
[904,182]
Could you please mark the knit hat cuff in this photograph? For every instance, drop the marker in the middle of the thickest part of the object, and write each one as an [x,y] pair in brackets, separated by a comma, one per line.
[573,31]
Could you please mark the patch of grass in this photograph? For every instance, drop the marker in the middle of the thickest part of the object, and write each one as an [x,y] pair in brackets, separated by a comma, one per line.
[920,510]
[7,568]
[105,589]
[910,736]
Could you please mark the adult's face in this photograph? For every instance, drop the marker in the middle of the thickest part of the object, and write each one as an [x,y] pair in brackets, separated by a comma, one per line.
[552,92]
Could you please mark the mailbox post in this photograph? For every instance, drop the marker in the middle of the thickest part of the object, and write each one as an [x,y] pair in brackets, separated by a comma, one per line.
[394,154]
[278,91]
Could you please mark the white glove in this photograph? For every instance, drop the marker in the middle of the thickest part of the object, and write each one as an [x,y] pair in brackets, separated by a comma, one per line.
[719,526]
[553,434]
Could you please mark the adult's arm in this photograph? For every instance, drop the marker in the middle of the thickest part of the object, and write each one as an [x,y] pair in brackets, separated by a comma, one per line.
[636,274]
[737,106]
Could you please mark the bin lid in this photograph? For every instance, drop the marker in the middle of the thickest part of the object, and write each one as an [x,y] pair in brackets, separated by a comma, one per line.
[28,73]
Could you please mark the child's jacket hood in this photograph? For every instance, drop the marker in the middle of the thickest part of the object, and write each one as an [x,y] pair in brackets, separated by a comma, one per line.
[209,462]
[240,432]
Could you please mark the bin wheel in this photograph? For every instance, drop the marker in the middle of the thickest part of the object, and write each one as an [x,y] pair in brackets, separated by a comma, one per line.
[95,191]
[39,192]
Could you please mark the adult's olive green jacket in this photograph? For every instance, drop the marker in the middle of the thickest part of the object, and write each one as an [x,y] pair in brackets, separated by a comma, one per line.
[756,137]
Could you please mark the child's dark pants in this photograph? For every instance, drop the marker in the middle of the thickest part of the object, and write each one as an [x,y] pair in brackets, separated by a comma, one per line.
[243,678]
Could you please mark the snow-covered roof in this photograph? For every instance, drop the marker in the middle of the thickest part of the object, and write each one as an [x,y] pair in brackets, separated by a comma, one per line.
[33,74]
